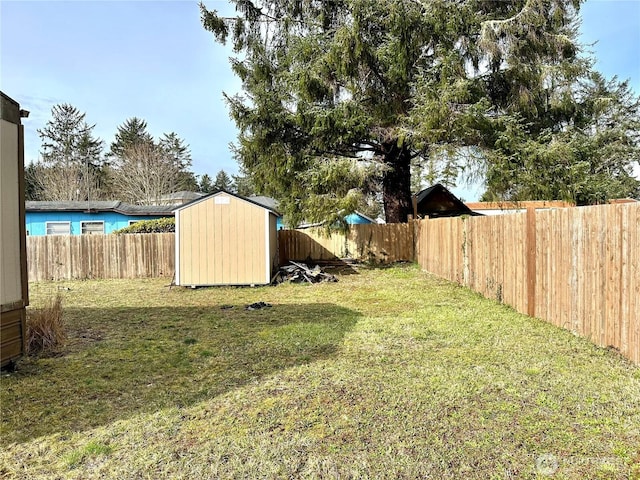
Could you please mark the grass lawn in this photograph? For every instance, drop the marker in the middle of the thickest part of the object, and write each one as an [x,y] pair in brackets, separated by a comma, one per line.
[390,373]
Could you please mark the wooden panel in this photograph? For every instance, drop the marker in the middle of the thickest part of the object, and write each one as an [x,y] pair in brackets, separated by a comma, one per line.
[12,335]
[273,243]
[10,222]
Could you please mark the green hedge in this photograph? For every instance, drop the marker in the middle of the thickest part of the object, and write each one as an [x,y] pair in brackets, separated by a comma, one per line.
[160,225]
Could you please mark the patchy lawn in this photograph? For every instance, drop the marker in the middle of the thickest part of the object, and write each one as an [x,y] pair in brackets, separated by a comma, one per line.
[389,373]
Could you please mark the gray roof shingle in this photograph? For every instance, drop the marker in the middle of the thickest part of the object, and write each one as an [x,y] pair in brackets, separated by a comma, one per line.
[99,206]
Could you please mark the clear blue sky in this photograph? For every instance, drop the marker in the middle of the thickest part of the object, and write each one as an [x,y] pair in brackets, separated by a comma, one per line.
[153,60]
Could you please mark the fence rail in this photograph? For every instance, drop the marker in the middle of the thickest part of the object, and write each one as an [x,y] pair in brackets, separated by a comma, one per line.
[577,268]
[66,257]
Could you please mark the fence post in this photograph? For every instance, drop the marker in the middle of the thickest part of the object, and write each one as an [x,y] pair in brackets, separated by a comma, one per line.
[466,247]
[530,246]
[412,232]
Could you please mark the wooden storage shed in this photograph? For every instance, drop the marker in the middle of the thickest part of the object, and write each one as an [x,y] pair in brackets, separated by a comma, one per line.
[225,239]
[13,264]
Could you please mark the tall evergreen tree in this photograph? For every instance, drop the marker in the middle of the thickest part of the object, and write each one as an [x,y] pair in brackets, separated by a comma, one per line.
[223,182]
[178,152]
[205,185]
[71,157]
[588,159]
[132,132]
[243,184]
[176,149]
[337,92]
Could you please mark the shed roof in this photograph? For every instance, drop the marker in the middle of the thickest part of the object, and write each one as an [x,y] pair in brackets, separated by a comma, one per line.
[235,195]
[9,109]
[99,206]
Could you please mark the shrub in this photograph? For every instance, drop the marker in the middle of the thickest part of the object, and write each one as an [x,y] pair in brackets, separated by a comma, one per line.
[45,327]
[160,225]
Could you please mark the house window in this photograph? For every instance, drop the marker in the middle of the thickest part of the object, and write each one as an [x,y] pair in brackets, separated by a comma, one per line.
[92,228]
[58,228]
[131,222]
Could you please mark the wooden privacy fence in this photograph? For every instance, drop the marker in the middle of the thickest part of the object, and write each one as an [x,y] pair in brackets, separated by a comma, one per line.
[376,243]
[66,257]
[577,268]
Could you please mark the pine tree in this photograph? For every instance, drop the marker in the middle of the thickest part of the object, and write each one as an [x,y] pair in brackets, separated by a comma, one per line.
[132,132]
[589,159]
[178,152]
[335,93]
[71,157]
[223,182]
[243,184]
[205,185]
[143,171]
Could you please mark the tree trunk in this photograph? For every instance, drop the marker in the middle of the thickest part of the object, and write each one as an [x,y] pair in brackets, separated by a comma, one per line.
[396,184]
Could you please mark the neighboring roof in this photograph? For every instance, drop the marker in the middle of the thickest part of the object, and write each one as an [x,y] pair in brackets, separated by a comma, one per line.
[518,205]
[202,199]
[182,195]
[366,217]
[272,203]
[267,202]
[75,206]
[99,206]
[129,209]
[319,224]
[8,98]
[437,201]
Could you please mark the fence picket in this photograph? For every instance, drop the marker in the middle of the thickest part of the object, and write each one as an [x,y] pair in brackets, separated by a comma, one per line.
[579,268]
[65,257]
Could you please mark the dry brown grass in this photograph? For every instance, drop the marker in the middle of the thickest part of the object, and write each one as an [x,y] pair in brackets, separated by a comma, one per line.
[46,331]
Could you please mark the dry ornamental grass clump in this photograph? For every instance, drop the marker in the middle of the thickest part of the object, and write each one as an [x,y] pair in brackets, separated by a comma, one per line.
[45,327]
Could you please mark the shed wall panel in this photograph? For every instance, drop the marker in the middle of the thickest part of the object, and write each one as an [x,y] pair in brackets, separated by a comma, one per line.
[14,292]
[222,242]
[10,266]
[12,334]
[273,243]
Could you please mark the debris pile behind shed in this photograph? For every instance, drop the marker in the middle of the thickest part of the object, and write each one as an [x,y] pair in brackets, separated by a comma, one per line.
[301,273]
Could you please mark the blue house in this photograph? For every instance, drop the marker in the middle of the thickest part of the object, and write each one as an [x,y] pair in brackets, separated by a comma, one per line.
[94,217]
[357,218]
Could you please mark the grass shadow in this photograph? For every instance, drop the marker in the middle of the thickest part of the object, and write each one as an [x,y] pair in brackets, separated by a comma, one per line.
[122,362]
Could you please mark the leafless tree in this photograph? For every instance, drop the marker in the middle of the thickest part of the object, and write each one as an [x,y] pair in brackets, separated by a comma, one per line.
[71,182]
[144,173]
